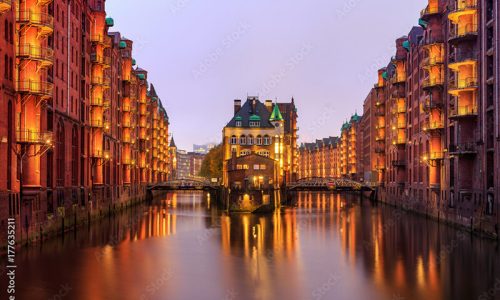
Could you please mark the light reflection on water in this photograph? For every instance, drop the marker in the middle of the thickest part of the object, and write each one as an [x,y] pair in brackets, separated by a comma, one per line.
[329,246]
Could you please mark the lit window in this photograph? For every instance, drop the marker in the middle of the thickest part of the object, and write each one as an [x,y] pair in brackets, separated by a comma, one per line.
[245,152]
[259,140]
[238,123]
[256,167]
[267,140]
[263,167]
[254,124]
[233,140]
[250,140]
[243,140]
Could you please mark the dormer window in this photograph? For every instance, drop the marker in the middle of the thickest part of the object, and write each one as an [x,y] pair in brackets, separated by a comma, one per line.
[254,121]
[254,124]
[238,123]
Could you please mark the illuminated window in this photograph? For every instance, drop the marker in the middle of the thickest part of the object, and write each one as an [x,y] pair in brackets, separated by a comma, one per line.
[243,140]
[238,123]
[254,124]
[233,140]
[250,140]
[256,167]
[258,141]
[267,140]
[245,152]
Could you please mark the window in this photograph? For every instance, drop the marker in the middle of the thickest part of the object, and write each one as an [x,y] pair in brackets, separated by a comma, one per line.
[263,167]
[267,140]
[238,123]
[250,140]
[259,140]
[233,140]
[254,124]
[243,140]
[60,154]
[245,152]
[264,153]
[256,167]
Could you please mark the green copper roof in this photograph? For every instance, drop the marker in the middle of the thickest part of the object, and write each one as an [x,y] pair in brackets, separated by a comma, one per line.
[141,76]
[110,22]
[133,62]
[239,118]
[406,45]
[384,75]
[254,118]
[422,23]
[276,114]
[355,117]
[123,45]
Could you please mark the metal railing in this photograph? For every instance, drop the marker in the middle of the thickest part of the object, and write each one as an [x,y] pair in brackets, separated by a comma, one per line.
[429,10]
[432,82]
[432,61]
[35,87]
[461,84]
[34,137]
[462,5]
[460,31]
[37,19]
[468,110]
[35,52]
[463,148]
[98,59]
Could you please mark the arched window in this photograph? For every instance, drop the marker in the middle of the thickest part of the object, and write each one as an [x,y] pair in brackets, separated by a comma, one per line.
[267,140]
[74,156]
[258,141]
[61,153]
[250,140]
[243,140]
[233,140]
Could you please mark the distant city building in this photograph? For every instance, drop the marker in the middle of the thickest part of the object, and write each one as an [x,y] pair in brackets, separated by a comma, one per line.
[203,149]
[188,164]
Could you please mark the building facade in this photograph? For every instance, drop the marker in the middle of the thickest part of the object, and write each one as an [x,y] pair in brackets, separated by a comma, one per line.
[82,130]
[320,159]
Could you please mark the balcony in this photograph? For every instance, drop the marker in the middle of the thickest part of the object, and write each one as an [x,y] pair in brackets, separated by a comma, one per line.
[430,83]
[432,61]
[401,125]
[463,32]
[464,112]
[433,156]
[459,8]
[379,150]
[463,85]
[100,60]
[98,39]
[379,113]
[399,163]
[5,5]
[468,148]
[379,138]
[400,110]
[44,55]
[42,89]
[433,126]
[96,123]
[379,85]
[399,141]
[431,104]
[43,21]
[128,162]
[34,137]
[100,154]
[127,124]
[398,79]
[101,81]
[430,11]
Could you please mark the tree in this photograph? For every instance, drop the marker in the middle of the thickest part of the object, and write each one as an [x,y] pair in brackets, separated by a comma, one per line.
[211,167]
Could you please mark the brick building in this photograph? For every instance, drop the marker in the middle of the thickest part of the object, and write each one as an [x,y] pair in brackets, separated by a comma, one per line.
[82,131]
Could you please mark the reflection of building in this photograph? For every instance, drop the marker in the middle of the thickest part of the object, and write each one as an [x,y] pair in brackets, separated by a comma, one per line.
[188,164]
[259,130]
[89,127]
[203,149]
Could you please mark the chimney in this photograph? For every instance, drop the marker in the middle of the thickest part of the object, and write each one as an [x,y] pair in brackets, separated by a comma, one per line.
[237,106]
[269,105]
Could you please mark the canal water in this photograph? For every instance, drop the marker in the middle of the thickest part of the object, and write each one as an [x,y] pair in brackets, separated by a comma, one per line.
[327,246]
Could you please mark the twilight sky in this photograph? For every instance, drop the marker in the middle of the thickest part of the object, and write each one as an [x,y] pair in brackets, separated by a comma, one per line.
[201,55]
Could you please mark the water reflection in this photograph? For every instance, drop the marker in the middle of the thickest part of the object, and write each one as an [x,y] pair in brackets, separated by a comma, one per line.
[328,246]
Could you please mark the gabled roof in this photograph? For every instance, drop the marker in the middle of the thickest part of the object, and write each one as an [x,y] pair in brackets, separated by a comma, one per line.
[248,112]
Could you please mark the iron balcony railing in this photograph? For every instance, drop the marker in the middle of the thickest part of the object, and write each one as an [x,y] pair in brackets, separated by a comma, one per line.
[36,53]
[36,19]
[458,6]
[436,155]
[40,88]
[399,163]
[432,82]
[429,10]
[462,31]
[432,61]
[463,111]
[462,84]
[101,81]
[463,148]
[101,60]
[434,125]
[96,123]
[34,137]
